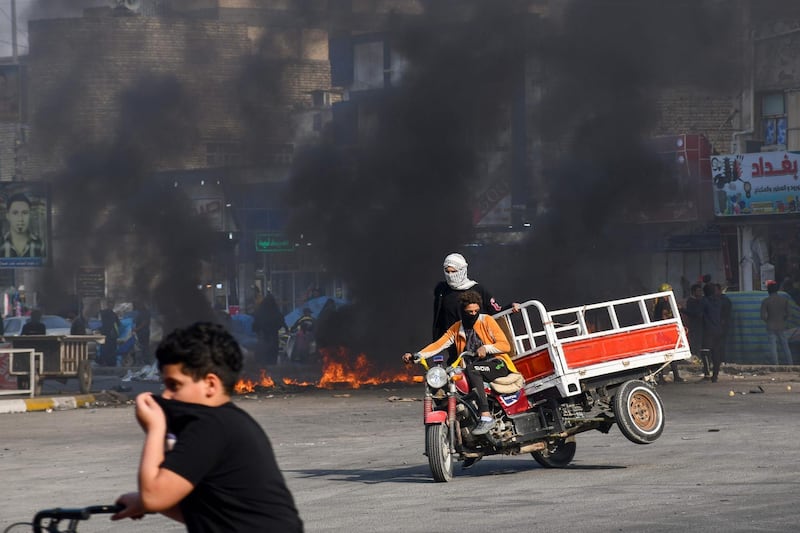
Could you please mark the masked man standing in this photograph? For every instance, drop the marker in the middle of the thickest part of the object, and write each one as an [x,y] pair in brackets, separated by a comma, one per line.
[446,294]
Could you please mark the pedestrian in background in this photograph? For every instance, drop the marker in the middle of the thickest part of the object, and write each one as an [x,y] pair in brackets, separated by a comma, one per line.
[662,310]
[789,288]
[34,325]
[726,312]
[109,327]
[267,322]
[303,331]
[77,323]
[693,311]
[712,329]
[775,313]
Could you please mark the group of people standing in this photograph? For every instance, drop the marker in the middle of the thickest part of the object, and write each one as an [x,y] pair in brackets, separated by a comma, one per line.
[111,353]
[710,318]
[707,317]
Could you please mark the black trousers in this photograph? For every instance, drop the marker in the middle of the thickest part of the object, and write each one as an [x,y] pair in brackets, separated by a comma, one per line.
[488,370]
[715,343]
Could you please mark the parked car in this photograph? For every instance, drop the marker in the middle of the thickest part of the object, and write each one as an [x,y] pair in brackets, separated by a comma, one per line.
[54,324]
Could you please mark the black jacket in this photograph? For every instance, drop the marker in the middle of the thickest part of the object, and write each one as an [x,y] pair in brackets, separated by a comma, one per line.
[447,307]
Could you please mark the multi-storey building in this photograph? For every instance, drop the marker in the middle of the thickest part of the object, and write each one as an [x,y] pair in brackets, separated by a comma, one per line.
[267,77]
[247,82]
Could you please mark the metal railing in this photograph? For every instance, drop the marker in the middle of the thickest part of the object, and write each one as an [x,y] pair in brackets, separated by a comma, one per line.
[550,327]
[34,360]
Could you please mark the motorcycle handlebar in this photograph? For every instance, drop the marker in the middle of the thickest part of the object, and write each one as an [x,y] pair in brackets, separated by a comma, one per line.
[83,513]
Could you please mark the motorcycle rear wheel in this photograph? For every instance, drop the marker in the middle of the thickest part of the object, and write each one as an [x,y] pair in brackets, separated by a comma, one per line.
[437,447]
[558,455]
[639,412]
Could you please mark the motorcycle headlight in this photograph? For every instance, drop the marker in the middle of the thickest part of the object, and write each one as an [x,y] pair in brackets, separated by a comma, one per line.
[436,377]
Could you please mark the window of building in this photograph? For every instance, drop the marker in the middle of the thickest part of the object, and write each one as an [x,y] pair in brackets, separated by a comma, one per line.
[368,65]
[774,123]
[223,154]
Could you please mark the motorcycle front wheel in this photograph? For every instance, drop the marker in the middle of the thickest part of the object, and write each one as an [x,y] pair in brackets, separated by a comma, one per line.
[437,447]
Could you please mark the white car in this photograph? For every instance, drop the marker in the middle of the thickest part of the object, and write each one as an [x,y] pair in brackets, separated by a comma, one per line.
[54,325]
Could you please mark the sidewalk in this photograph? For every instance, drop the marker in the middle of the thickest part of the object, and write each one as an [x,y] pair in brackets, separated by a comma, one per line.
[22,403]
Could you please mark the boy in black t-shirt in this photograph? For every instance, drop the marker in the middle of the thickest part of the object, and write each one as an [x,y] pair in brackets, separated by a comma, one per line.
[206,462]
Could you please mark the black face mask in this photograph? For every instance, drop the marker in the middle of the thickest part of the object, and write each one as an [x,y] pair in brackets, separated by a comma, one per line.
[468,321]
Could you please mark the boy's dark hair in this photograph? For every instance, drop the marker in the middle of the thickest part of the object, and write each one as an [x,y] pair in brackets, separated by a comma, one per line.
[18,197]
[203,348]
[695,287]
[470,297]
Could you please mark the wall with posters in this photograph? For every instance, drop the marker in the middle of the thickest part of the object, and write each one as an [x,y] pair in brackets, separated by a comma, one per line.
[25,216]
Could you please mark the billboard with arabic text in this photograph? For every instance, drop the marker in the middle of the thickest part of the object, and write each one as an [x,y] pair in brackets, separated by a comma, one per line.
[764,183]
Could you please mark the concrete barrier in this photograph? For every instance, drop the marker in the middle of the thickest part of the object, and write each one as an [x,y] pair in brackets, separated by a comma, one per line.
[61,403]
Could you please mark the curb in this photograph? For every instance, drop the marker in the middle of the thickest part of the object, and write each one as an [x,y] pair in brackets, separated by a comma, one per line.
[62,403]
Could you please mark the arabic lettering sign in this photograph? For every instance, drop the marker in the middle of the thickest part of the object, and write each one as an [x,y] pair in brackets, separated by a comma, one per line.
[91,282]
[272,242]
[212,210]
[764,183]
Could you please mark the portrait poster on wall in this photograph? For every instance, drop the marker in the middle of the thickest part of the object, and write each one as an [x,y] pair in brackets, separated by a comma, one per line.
[25,216]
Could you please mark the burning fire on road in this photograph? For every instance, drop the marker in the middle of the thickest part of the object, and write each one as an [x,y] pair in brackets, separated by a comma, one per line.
[340,370]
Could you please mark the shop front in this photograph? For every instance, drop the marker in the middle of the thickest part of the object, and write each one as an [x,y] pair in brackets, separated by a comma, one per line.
[757,196]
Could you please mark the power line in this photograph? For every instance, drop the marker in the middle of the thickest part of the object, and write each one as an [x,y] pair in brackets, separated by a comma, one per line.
[3,11]
[9,42]
[20,31]
[19,28]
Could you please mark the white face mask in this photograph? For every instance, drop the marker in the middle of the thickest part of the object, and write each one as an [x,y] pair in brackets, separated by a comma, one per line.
[455,279]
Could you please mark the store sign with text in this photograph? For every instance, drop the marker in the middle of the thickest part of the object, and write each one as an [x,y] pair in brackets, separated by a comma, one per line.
[212,210]
[272,242]
[764,183]
[91,282]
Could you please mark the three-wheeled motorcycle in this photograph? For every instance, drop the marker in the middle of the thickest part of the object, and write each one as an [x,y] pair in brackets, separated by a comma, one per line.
[567,378]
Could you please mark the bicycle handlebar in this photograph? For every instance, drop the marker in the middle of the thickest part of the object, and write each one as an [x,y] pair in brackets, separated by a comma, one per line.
[59,513]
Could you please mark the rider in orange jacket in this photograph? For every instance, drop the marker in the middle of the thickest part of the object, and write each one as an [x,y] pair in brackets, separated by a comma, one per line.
[478,333]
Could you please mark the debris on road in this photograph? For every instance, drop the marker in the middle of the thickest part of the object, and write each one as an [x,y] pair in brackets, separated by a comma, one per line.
[146,373]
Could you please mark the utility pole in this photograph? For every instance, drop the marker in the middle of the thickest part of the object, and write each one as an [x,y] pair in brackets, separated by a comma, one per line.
[14,30]
[19,141]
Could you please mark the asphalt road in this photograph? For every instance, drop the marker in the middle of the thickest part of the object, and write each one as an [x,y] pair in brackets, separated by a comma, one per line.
[354,461]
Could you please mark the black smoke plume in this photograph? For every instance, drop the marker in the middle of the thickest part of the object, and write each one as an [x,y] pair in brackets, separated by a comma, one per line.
[111,209]
[386,212]
[606,64]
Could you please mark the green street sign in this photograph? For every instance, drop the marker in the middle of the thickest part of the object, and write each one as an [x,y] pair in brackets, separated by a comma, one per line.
[272,242]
